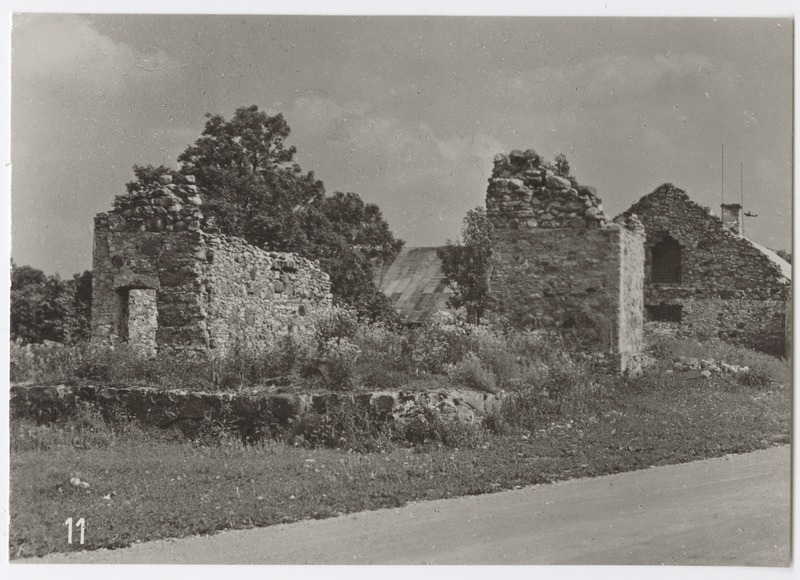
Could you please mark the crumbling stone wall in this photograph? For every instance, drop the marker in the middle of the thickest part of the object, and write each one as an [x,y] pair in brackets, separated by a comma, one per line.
[254,296]
[250,412]
[729,287]
[560,263]
[162,282]
[141,319]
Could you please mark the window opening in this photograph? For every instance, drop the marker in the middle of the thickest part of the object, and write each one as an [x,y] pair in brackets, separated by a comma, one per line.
[666,266]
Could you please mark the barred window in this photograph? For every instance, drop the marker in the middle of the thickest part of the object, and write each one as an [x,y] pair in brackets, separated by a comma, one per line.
[666,263]
[665,312]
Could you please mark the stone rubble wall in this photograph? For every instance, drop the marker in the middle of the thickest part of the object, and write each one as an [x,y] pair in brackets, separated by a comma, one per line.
[163,206]
[254,296]
[142,321]
[758,324]
[188,410]
[729,289]
[554,279]
[559,262]
[523,194]
[171,263]
[212,292]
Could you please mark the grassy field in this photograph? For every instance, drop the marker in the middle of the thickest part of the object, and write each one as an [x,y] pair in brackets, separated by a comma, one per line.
[145,485]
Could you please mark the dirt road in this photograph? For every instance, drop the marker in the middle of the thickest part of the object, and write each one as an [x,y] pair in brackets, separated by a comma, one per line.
[727,511]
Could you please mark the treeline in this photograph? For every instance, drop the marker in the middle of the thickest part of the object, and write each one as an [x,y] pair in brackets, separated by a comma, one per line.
[48,308]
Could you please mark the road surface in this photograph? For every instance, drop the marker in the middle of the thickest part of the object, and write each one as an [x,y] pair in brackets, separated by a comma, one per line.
[727,511]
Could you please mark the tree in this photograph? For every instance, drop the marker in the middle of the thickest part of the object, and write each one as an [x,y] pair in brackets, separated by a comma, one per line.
[49,308]
[79,303]
[562,167]
[362,226]
[465,264]
[252,188]
[785,255]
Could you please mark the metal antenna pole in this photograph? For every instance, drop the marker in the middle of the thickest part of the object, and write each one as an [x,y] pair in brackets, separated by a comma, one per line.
[722,177]
[741,188]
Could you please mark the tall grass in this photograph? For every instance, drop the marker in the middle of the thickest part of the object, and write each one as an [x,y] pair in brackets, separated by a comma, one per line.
[337,352]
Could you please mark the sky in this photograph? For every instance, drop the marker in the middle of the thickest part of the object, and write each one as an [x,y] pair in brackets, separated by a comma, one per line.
[408,112]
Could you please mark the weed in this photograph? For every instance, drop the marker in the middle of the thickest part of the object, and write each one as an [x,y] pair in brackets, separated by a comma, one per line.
[471,373]
[754,377]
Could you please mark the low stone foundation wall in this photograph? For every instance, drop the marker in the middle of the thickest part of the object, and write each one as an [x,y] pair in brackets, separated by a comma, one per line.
[187,410]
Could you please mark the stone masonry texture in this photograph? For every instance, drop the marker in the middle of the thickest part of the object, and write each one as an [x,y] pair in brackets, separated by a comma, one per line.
[560,264]
[728,287]
[251,412]
[162,282]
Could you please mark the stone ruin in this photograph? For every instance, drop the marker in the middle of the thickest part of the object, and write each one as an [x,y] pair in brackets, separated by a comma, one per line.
[164,280]
[704,279]
[560,264]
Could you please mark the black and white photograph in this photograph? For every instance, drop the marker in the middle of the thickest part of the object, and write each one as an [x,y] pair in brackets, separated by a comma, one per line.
[412,287]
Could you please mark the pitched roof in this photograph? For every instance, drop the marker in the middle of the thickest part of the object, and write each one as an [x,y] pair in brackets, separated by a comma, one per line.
[415,284]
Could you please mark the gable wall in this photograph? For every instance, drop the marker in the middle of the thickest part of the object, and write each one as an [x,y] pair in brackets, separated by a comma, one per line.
[729,289]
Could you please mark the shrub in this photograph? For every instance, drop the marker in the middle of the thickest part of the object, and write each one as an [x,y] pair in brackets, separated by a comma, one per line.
[492,349]
[519,410]
[755,377]
[565,387]
[385,361]
[470,373]
[278,364]
[333,324]
[335,363]
[442,342]
[43,363]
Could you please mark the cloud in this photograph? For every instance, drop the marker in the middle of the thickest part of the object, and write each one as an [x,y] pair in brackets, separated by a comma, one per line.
[353,125]
[67,53]
[609,74]
[425,181]
[478,146]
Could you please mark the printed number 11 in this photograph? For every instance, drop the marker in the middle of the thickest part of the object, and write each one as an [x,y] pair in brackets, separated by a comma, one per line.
[81,523]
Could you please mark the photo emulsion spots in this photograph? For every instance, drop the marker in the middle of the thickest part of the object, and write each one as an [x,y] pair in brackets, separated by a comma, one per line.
[455,290]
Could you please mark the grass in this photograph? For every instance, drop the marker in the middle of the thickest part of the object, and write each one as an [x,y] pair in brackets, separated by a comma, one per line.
[764,368]
[147,484]
[334,352]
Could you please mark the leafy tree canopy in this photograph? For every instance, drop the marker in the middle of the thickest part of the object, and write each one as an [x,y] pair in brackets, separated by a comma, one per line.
[252,188]
[49,308]
[465,264]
